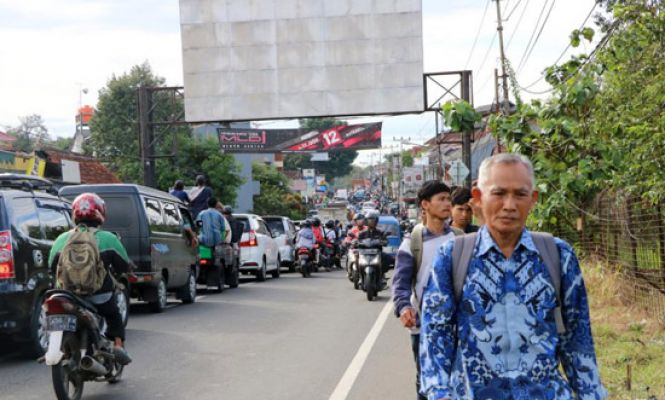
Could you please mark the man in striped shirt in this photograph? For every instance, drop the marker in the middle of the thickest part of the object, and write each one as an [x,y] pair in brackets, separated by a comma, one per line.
[409,279]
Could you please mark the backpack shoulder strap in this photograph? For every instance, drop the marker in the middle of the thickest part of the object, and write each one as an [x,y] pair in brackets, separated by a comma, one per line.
[462,253]
[549,252]
[417,247]
[456,231]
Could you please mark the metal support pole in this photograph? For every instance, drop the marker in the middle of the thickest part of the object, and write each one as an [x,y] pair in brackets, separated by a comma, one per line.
[499,28]
[466,136]
[146,136]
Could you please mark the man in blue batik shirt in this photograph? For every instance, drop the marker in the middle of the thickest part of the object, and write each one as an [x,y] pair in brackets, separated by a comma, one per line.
[500,340]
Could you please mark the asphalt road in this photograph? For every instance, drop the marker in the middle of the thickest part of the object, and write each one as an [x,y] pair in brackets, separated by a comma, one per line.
[288,338]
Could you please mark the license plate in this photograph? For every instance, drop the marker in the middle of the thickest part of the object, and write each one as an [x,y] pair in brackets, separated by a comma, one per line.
[61,323]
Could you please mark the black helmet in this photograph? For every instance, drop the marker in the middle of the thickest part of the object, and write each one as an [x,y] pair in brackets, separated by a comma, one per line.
[227,210]
[316,221]
[307,223]
[358,217]
[330,224]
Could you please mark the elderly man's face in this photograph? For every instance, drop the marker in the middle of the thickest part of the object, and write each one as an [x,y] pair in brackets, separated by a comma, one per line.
[507,198]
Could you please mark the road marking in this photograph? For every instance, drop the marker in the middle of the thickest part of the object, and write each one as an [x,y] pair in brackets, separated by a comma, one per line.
[351,374]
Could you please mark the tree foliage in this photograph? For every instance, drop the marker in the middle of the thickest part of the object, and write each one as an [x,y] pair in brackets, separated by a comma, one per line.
[407,158]
[604,125]
[30,133]
[275,197]
[340,163]
[115,139]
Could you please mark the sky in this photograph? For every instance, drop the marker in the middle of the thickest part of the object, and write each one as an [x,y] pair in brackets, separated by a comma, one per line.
[54,51]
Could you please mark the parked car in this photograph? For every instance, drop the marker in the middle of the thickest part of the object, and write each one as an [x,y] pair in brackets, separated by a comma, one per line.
[389,225]
[286,239]
[30,221]
[259,252]
[153,227]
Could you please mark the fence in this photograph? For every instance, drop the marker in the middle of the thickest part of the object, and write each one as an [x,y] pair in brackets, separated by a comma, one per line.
[627,234]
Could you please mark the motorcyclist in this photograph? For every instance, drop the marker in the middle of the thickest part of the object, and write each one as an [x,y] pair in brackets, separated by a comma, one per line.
[373,232]
[89,209]
[305,237]
[355,231]
[331,238]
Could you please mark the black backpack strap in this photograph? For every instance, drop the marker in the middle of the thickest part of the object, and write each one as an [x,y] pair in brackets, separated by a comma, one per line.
[462,253]
[549,253]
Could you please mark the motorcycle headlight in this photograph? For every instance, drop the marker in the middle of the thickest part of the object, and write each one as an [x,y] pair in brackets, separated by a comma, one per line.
[376,260]
[363,259]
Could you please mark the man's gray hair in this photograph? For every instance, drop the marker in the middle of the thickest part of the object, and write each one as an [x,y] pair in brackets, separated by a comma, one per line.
[503,158]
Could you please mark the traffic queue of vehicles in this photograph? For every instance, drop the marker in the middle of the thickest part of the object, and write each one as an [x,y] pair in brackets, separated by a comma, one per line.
[155,228]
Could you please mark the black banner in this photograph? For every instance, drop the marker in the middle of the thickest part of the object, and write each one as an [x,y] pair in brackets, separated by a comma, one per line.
[356,137]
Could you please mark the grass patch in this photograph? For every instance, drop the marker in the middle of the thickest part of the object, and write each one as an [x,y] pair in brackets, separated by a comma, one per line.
[624,335]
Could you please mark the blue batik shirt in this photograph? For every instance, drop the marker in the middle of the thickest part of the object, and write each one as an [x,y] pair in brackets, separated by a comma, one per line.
[500,341]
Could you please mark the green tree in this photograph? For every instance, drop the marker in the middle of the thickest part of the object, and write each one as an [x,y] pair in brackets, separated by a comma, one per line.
[30,133]
[196,157]
[275,197]
[340,163]
[114,124]
[604,125]
[407,158]
[62,143]
[115,139]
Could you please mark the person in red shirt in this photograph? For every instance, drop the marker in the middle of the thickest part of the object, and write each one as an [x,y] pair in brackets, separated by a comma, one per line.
[352,235]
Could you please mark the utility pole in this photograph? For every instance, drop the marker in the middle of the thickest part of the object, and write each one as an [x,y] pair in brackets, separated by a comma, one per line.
[499,29]
[466,136]
[146,136]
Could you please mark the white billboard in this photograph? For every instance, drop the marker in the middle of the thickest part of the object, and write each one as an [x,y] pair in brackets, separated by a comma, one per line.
[271,59]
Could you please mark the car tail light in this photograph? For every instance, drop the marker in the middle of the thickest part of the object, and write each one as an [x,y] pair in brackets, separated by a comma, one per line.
[58,305]
[251,241]
[203,261]
[6,256]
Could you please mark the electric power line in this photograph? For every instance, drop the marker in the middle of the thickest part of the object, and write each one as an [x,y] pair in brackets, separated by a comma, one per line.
[603,42]
[510,14]
[542,27]
[487,53]
[517,25]
[562,53]
[533,34]
[475,41]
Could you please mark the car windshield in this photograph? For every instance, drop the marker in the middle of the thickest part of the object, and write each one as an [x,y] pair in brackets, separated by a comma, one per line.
[391,229]
[275,225]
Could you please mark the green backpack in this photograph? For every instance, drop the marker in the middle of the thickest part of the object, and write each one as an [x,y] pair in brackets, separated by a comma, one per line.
[80,266]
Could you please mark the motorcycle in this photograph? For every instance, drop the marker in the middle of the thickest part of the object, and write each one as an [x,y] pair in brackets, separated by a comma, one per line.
[326,256]
[210,273]
[369,266]
[304,261]
[77,351]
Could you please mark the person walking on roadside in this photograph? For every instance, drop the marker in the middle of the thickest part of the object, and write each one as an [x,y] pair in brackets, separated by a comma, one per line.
[414,259]
[200,195]
[506,307]
[179,191]
[462,213]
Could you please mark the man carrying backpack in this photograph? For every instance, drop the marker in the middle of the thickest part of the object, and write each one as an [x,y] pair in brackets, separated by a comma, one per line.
[102,255]
[504,307]
[414,259]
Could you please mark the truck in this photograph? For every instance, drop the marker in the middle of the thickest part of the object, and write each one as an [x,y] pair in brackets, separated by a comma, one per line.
[335,212]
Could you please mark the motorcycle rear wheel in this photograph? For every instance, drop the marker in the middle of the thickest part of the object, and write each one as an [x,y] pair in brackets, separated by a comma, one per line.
[67,383]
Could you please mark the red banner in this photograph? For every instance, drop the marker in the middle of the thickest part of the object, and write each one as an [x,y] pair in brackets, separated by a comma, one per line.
[364,136]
